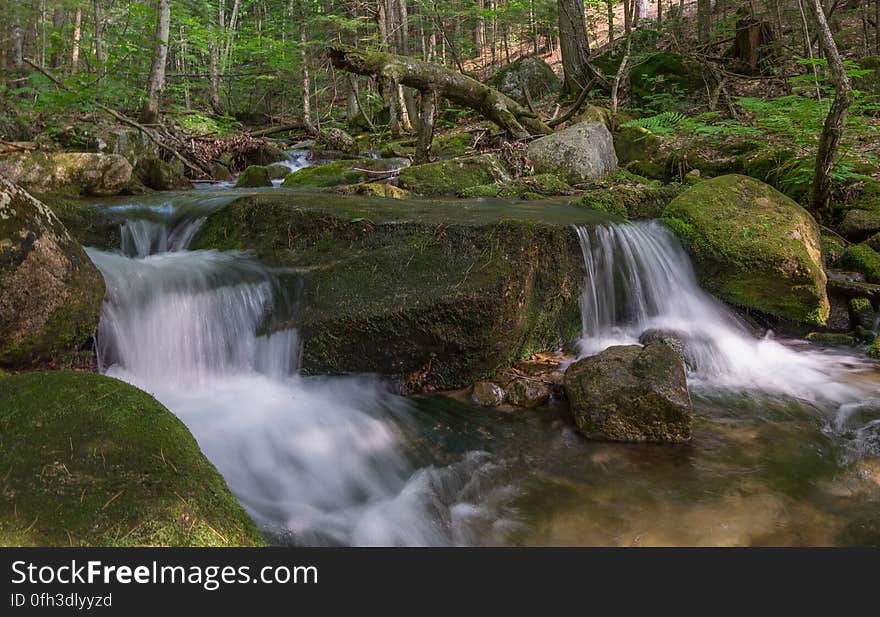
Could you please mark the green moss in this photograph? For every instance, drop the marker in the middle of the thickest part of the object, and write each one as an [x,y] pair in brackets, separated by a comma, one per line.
[753,247]
[832,248]
[629,199]
[335,173]
[862,258]
[438,301]
[453,176]
[91,461]
[540,185]
[88,223]
[664,74]
[452,145]
[870,198]
[254,176]
[375,189]
[636,144]
[831,338]
[874,351]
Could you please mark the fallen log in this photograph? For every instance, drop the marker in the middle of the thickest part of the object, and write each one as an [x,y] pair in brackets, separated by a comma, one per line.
[429,78]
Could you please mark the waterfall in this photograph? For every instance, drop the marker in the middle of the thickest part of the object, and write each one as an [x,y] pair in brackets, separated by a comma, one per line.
[313,460]
[639,279]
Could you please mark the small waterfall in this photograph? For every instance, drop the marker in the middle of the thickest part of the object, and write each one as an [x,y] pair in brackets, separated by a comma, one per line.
[639,278]
[313,460]
[143,237]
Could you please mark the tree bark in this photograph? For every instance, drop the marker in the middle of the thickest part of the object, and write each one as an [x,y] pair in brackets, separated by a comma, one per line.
[836,119]
[306,79]
[77,36]
[704,20]
[575,49]
[99,43]
[517,121]
[150,110]
[427,116]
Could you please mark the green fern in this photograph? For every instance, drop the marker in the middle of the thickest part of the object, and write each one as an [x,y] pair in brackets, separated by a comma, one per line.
[664,122]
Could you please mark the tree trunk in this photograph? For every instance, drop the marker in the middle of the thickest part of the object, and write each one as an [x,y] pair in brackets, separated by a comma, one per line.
[303,57]
[17,50]
[77,36]
[517,121]
[427,116]
[214,74]
[609,5]
[836,119]
[573,39]
[99,43]
[150,110]
[704,20]
[59,18]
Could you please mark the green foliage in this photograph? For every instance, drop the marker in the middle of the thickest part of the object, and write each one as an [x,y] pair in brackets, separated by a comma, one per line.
[662,123]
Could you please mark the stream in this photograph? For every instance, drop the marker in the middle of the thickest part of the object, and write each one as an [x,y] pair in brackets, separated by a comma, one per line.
[785,449]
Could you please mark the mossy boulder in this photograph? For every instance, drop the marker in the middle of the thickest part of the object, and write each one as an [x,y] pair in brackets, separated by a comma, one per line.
[631,393]
[859,224]
[863,313]
[862,258]
[578,153]
[87,223]
[594,113]
[634,143]
[451,145]
[753,247]
[346,171]
[277,172]
[530,72]
[454,175]
[75,173]
[254,176]
[410,289]
[540,185]
[629,199]
[832,339]
[665,74]
[375,189]
[92,461]
[51,291]
[160,176]
[259,153]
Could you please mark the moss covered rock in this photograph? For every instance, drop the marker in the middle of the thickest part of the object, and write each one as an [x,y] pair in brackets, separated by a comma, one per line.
[277,172]
[254,176]
[88,223]
[633,143]
[391,287]
[92,461]
[541,185]
[859,224]
[454,175]
[862,258]
[376,189]
[75,173]
[578,153]
[665,74]
[753,247]
[833,339]
[629,199]
[631,393]
[346,171]
[160,176]
[51,291]
[530,72]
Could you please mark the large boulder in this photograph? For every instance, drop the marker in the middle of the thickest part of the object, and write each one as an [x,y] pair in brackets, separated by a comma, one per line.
[631,393]
[753,247]
[859,224]
[531,72]
[339,140]
[159,175]
[92,461]
[579,153]
[431,293]
[51,291]
[254,176]
[100,175]
[454,175]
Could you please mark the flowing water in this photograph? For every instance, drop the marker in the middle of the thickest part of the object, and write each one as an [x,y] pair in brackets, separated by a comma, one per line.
[784,448]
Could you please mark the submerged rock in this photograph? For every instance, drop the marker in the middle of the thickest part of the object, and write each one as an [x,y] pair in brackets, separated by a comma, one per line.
[530,72]
[391,287]
[487,394]
[454,175]
[753,247]
[579,153]
[631,393]
[159,175]
[528,393]
[254,176]
[100,175]
[93,461]
[51,291]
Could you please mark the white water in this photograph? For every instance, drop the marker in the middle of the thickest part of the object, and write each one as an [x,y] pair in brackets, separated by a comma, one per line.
[639,278]
[313,460]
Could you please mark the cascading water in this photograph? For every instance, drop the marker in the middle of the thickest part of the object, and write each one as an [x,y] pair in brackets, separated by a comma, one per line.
[639,278]
[314,460]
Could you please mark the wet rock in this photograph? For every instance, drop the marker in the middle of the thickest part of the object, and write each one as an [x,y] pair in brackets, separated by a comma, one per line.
[670,338]
[339,140]
[753,247]
[631,393]
[52,292]
[454,175]
[160,176]
[531,72]
[833,339]
[254,176]
[858,225]
[100,175]
[528,393]
[839,319]
[579,153]
[93,461]
[863,313]
[221,172]
[487,394]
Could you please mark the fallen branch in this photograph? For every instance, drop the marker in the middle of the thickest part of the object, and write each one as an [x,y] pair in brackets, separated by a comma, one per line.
[582,97]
